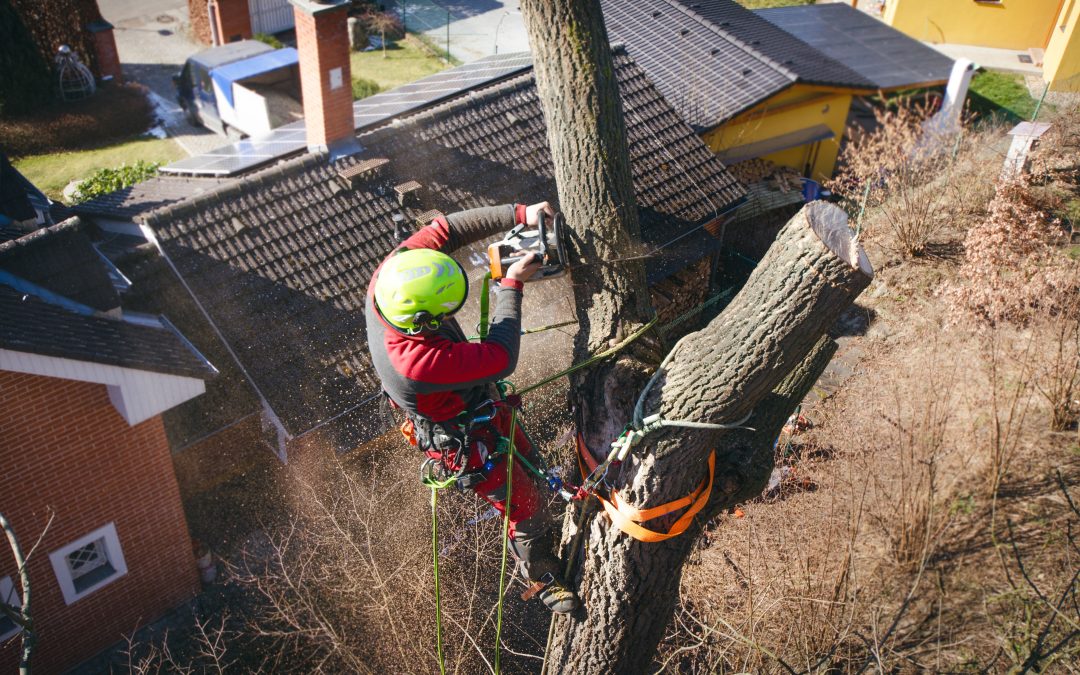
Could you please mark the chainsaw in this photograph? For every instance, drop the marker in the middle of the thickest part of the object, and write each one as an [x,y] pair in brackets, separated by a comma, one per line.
[545,241]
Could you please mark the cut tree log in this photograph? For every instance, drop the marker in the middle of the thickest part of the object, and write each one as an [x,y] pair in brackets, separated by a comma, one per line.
[812,273]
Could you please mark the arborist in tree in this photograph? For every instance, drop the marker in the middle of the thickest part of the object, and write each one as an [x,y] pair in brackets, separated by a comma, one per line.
[446,384]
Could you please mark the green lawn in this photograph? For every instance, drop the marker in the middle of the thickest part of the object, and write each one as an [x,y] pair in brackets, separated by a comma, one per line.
[997,93]
[52,173]
[406,60]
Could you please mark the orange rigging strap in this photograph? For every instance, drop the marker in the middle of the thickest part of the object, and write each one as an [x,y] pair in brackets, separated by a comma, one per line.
[628,518]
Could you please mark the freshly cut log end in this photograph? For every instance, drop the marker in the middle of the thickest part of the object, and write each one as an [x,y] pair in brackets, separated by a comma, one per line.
[830,223]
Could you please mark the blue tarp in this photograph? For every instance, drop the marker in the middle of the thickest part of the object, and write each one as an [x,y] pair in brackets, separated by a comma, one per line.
[225,75]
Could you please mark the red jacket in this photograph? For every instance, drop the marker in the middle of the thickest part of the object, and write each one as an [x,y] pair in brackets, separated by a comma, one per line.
[440,374]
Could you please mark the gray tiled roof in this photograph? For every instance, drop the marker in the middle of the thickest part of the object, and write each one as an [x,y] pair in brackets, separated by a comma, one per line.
[132,202]
[281,259]
[706,73]
[61,259]
[38,325]
[809,64]
[35,326]
[877,51]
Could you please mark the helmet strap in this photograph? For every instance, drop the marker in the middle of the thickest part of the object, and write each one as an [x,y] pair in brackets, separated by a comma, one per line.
[424,320]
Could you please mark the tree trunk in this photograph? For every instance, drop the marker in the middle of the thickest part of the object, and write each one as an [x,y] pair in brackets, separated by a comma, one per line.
[575,78]
[810,275]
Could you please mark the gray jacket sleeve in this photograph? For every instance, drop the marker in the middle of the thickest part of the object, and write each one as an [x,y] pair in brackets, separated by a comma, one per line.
[506,326]
[468,227]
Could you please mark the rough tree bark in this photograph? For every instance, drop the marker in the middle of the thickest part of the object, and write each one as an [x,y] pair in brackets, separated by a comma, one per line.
[575,78]
[729,369]
[812,273]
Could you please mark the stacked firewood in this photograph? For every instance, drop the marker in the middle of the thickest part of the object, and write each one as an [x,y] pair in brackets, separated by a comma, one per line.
[752,170]
[782,178]
[786,179]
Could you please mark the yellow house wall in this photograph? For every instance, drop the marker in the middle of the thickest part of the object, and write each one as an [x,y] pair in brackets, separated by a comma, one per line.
[792,110]
[1009,24]
[1061,65]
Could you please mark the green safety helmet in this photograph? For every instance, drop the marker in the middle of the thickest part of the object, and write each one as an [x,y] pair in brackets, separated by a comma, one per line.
[418,288]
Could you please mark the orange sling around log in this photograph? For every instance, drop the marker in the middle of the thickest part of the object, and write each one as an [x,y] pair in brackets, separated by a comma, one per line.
[628,518]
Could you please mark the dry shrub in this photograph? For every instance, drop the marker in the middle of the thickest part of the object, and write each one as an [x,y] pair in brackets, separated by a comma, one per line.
[1057,370]
[1057,155]
[115,112]
[901,174]
[347,585]
[199,19]
[919,422]
[1012,266]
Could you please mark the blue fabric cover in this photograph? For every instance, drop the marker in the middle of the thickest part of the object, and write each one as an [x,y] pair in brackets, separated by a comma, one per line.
[225,75]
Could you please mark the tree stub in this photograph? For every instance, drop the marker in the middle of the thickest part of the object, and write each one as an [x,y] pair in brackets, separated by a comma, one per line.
[810,275]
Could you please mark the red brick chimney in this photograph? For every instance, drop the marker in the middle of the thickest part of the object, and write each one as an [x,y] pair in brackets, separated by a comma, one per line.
[322,38]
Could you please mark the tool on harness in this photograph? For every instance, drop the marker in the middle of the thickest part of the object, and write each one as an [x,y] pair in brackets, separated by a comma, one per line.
[544,240]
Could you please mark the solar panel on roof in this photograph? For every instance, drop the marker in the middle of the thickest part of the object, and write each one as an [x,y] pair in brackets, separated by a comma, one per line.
[870,47]
[703,72]
[248,154]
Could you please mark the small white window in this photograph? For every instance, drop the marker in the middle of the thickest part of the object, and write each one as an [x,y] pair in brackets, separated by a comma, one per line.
[88,563]
[9,595]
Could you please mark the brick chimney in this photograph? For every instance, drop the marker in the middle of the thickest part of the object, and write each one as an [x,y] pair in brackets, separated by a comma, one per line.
[322,38]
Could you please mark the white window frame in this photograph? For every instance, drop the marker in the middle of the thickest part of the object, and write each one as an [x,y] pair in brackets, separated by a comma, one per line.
[113,553]
[8,590]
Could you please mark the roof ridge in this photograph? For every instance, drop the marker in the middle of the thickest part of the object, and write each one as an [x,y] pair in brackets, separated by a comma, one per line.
[753,51]
[795,38]
[236,187]
[73,223]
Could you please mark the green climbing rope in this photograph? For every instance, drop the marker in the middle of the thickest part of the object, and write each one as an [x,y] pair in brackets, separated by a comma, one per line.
[435,558]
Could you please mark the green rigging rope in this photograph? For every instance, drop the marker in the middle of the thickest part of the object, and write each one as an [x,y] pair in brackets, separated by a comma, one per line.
[592,359]
[506,536]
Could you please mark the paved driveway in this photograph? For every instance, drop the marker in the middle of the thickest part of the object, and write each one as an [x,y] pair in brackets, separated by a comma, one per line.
[152,38]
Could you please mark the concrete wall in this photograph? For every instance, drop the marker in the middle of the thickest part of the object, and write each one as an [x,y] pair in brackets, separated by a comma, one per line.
[1061,65]
[1006,24]
[63,446]
[798,108]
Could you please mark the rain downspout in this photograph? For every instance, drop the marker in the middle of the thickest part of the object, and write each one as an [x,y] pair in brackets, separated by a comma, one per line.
[211,13]
[283,435]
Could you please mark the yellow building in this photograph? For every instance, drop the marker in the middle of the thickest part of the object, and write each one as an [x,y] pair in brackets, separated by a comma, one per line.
[774,84]
[1046,28]
[800,127]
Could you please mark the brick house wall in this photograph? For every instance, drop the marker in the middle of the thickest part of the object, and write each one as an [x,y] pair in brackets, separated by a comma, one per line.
[64,446]
[233,20]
